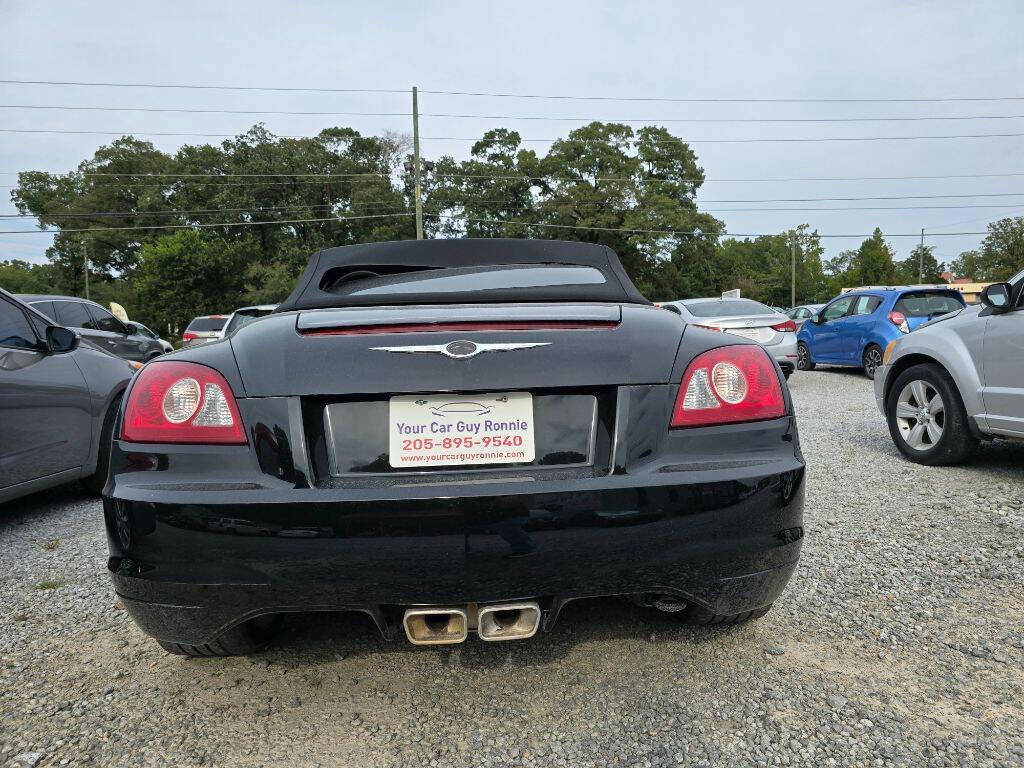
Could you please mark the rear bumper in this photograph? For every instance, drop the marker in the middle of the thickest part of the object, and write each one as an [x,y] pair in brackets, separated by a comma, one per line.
[189,564]
[785,353]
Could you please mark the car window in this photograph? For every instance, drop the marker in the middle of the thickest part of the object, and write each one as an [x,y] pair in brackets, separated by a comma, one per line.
[73,314]
[15,330]
[105,321]
[801,313]
[206,324]
[837,308]
[46,307]
[243,317]
[866,305]
[143,330]
[928,304]
[726,307]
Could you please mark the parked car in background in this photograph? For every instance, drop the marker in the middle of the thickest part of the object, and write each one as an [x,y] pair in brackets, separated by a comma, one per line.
[98,325]
[803,313]
[460,435]
[58,399]
[855,328]
[958,379]
[141,329]
[749,319]
[245,315]
[203,330]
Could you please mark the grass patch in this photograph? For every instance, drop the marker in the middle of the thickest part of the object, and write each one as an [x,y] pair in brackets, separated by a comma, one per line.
[52,544]
[48,584]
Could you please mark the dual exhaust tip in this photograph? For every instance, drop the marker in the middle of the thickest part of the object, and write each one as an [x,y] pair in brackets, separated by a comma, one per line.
[435,625]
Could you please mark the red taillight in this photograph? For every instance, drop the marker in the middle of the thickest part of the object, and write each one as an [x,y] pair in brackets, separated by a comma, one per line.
[178,402]
[728,385]
[186,336]
[897,318]
[787,327]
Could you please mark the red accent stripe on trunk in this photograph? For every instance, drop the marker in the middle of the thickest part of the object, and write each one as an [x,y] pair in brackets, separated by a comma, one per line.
[512,325]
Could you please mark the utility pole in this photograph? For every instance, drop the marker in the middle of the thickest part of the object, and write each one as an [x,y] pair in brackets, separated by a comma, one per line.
[416,162]
[792,270]
[920,275]
[85,267]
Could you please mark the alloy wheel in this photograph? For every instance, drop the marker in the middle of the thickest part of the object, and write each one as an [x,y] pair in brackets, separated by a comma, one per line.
[872,359]
[802,357]
[920,415]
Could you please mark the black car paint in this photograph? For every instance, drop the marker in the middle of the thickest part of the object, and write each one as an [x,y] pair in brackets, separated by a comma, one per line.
[712,515]
[52,407]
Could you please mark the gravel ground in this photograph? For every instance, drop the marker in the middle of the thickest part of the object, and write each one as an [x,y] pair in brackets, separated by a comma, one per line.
[899,642]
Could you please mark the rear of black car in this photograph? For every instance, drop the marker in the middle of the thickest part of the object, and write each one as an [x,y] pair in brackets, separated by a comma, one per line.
[468,427]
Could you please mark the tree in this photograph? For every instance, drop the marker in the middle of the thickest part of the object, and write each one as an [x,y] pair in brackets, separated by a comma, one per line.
[909,270]
[873,264]
[1002,250]
[188,274]
[762,267]
[18,276]
[967,264]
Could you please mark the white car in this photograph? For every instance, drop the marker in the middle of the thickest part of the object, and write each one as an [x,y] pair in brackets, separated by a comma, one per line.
[243,316]
[747,318]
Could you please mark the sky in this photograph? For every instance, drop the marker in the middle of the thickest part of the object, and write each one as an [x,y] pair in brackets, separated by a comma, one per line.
[657,50]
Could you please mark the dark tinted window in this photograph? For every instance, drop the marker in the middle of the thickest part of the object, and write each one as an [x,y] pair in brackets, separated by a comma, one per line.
[141,329]
[866,305]
[15,330]
[469,280]
[726,308]
[837,308]
[926,304]
[46,307]
[73,314]
[106,321]
[207,324]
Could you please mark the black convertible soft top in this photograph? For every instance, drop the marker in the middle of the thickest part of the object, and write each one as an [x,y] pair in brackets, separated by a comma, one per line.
[461,271]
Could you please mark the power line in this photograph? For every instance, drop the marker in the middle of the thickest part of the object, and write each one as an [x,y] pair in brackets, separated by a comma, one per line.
[507,95]
[545,118]
[193,226]
[667,231]
[802,139]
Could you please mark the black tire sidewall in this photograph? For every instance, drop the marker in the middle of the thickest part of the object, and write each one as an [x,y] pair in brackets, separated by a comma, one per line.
[864,360]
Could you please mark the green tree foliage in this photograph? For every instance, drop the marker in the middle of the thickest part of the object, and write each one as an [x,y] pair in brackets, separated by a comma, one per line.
[909,270]
[762,267]
[873,264]
[1001,255]
[188,274]
[19,276]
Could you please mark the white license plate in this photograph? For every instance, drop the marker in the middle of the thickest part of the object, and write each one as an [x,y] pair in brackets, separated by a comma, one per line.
[448,430]
[757,334]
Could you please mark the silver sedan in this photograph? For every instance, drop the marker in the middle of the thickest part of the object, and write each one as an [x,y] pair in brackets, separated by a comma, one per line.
[747,318]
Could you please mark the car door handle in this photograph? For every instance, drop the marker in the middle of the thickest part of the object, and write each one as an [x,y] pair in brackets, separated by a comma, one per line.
[112,343]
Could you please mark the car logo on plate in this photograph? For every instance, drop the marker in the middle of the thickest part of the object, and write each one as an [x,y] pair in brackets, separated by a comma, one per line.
[463,349]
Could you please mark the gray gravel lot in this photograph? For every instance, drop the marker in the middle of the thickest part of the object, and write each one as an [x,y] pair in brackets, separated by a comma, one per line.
[900,641]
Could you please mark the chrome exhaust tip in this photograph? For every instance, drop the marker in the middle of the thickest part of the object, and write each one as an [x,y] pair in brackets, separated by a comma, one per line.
[508,621]
[431,625]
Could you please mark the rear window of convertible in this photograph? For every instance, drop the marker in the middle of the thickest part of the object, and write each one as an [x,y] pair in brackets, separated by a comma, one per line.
[464,280]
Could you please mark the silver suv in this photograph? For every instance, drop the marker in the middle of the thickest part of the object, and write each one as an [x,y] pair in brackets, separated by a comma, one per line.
[957,380]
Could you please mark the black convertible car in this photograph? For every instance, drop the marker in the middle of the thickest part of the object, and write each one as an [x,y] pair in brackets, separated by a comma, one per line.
[453,436]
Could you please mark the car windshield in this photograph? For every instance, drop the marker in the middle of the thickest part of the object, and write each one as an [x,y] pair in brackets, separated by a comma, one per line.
[206,324]
[243,317]
[928,304]
[726,308]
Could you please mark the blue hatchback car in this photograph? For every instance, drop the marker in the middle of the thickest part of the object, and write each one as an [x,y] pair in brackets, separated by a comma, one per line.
[854,329]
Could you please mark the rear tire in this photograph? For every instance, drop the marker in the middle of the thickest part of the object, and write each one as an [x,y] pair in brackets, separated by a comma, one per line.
[95,482]
[871,359]
[248,637]
[803,358]
[954,443]
[697,615]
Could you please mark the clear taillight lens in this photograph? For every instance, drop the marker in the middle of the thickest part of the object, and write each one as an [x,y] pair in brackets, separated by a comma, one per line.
[900,321]
[728,385]
[179,402]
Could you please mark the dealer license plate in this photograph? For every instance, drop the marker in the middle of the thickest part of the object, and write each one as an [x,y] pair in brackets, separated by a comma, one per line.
[447,430]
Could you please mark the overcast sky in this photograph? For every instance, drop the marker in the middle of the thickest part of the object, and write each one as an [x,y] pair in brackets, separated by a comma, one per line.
[774,50]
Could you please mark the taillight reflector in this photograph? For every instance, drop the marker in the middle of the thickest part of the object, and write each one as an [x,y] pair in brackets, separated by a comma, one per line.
[179,402]
[188,336]
[512,325]
[728,385]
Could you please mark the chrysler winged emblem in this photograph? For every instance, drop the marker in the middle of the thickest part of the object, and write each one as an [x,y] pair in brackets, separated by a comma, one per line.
[462,349]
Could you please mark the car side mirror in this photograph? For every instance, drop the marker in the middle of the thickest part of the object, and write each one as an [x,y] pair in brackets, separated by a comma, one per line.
[815,318]
[997,296]
[60,340]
